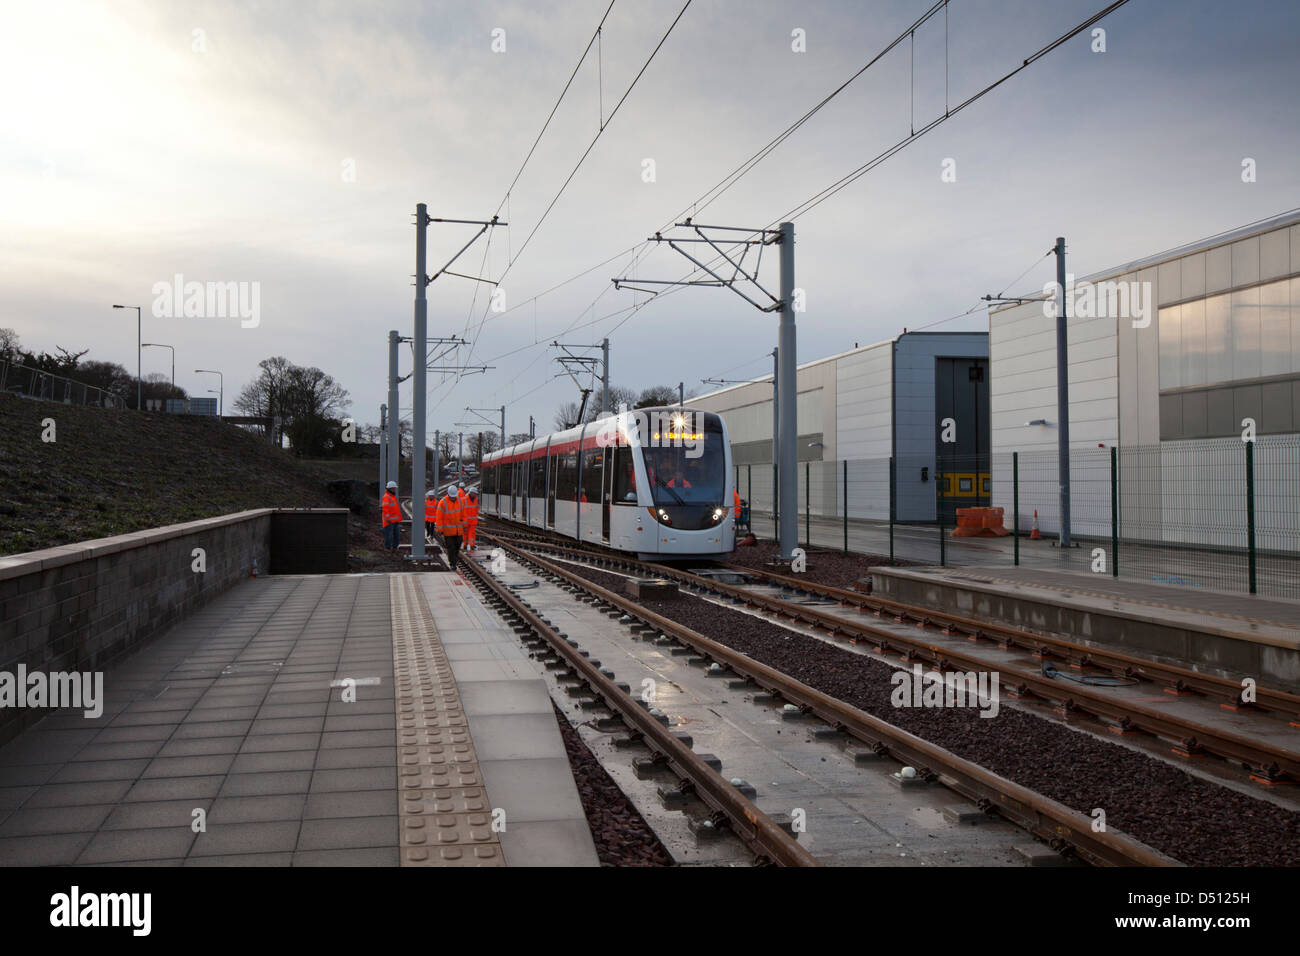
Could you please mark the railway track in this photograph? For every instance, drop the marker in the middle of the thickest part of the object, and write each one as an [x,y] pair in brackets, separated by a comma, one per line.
[756,829]
[1267,763]
[1061,827]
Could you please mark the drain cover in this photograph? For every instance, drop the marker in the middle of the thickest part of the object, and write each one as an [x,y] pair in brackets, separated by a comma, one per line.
[722,576]
[251,667]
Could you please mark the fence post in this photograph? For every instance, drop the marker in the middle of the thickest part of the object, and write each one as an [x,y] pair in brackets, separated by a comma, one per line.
[1114,514]
[807,504]
[1250,510]
[846,506]
[891,511]
[1015,502]
[776,504]
[943,542]
[749,493]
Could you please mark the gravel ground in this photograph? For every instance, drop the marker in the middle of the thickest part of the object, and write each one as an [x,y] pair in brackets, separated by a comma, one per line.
[622,836]
[825,566]
[1188,818]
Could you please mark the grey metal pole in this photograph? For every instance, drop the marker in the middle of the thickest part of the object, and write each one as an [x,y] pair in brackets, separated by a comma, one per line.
[418,386]
[786,385]
[604,365]
[1062,396]
[503,426]
[394,411]
[776,431]
[460,454]
[1015,503]
[383,458]
[139,380]
[681,394]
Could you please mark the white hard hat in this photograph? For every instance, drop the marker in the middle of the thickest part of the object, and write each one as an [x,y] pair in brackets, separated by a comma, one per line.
[432,492]
[460,484]
[392,484]
[452,491]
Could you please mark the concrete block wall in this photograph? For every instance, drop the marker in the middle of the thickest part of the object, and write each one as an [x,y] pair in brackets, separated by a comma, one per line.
[81,606]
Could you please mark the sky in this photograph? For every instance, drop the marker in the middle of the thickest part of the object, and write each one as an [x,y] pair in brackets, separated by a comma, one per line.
[283,147]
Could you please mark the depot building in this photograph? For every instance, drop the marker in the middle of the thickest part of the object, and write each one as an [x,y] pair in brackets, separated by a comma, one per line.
[874,405]
[1171,359]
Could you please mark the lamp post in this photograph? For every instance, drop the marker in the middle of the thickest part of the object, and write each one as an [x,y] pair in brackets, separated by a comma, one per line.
[139,387]
[221,381]
[160,345]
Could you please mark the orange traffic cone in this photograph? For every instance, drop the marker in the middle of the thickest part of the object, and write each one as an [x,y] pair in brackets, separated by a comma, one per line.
[1034,534]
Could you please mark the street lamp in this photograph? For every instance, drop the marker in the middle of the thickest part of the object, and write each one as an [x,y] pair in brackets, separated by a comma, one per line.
[160,345]
[221,401]
[139,388]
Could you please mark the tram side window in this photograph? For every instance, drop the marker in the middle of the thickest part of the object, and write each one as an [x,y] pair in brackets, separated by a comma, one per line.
[566,485]
[552,466]
[537,487]
[592,472]
[624,476]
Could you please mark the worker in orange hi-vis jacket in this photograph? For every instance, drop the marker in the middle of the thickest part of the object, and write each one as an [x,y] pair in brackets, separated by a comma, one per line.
[735,497]
[471,520]
[449,521]
[391,516]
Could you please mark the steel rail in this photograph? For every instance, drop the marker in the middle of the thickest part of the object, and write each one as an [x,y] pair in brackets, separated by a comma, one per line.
[1266,763]
[1058,824]
[1179,679]
[754,827]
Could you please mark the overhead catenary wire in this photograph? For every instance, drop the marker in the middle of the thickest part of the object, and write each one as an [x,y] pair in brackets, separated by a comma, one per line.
[583,158]
[713,193]
[821,196]
[594,38]
[818,198]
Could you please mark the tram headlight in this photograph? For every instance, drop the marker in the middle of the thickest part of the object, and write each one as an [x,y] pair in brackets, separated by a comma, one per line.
[718,513]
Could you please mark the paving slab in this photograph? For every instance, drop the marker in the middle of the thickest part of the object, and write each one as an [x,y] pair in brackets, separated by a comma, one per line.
[516,739]
[239,717]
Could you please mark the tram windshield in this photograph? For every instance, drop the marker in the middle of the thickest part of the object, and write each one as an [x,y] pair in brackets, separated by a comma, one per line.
[688,476]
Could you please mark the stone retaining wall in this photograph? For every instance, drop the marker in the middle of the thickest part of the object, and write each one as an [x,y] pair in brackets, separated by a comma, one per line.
[79,607]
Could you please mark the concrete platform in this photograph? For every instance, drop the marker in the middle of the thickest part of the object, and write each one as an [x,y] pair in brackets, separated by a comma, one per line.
[233,739]
[520,752]
[1226,633]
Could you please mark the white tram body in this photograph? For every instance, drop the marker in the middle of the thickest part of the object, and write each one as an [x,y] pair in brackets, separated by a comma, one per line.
[656,482]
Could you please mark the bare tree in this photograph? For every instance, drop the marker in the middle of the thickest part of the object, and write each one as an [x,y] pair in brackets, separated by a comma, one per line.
[9,344]
[480,444]
[158,386]
[264,396]
[566,416]
[657,395]
[618,395]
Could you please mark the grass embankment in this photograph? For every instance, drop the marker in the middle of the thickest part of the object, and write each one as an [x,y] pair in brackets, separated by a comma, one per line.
[111,472]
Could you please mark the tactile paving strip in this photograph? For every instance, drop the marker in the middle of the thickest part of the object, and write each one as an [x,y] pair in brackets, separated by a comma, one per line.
[446,819]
